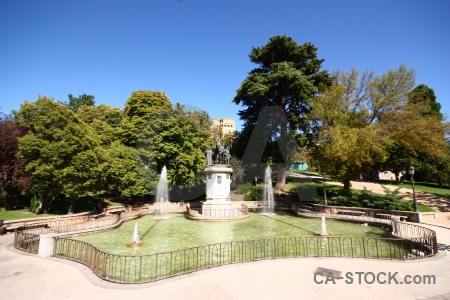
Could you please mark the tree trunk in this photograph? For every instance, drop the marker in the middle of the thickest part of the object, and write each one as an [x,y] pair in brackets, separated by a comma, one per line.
[281,172]
[40,207]
[347,184]
[281,178]
[6,199]
[397,178]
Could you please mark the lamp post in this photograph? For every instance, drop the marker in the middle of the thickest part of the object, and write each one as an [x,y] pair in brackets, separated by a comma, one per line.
[411,172]
[325,189]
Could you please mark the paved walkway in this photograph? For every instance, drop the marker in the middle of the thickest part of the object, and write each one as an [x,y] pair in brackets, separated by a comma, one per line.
[26,276]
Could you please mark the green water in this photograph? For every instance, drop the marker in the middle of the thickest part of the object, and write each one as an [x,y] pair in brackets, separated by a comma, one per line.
[177,232]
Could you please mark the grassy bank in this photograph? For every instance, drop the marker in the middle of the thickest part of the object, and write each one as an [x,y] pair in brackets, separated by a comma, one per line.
[19,214]
[426,187]
[314,191]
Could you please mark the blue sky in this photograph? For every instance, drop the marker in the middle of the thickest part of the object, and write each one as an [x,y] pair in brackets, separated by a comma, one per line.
[197,51]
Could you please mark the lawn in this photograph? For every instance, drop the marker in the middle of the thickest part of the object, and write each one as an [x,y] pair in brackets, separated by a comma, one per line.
[314,191]
[426,187]
[19,214]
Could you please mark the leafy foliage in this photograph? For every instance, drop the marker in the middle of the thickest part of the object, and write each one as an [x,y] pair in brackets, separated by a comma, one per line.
[75,103]
[287,76]
[14,180]
[62,153]
[138,109]
[366,120]
[424,94]
[238,170]
[104,120]
[390,201]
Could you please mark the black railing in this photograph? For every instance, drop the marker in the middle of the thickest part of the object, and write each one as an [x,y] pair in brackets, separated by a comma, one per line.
[152,267]
[412,241]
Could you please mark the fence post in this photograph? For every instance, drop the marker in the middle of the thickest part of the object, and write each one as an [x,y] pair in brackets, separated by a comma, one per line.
[47,244]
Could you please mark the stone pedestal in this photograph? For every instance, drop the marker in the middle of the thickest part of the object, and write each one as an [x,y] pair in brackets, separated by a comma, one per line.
[47,244]
[218,205]
[218,180]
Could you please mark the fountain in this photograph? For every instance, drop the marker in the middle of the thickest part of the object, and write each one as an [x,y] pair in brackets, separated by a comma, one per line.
[268,193]
[324,227]
[178,232]
[162,194]
[135,240]
[218,205]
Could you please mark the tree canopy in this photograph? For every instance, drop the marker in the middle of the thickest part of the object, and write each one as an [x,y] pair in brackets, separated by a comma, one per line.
[288,76]
[366,121]
[62,153]
[14,180]
[71,151]
[75,103]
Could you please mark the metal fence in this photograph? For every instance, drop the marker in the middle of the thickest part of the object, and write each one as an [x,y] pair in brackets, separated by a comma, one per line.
[27,237]
[411,242]
[148,268]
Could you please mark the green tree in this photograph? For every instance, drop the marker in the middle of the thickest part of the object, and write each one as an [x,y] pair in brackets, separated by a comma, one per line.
[177,139]
[181,144]
[62,153]
[371,112]
[424,94]
[165,136]
[138,108]
[417,138]
[75,103]
[287,76]
[104,120]
[124,176]
[346,152]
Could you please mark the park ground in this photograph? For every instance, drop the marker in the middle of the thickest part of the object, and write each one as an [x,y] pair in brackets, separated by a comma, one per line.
[26,276]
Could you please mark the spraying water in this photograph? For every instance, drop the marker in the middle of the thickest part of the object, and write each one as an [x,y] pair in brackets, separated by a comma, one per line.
[324,227]
[162,192]
[268,192]
[135,240]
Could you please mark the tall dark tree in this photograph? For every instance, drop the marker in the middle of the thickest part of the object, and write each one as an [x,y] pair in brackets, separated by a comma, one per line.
[288,76]
[430,168]
[424,94]
[75,103]
[422,104]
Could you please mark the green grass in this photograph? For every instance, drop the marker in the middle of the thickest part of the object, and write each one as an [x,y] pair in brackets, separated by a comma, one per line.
[19,214]
[307,172]
[425,208]
[313,191]
[426,187]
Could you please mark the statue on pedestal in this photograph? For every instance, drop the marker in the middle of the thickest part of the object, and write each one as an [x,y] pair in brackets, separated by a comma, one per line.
[209,154]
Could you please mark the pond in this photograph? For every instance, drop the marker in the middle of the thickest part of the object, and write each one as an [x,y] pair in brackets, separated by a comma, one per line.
[177,232]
